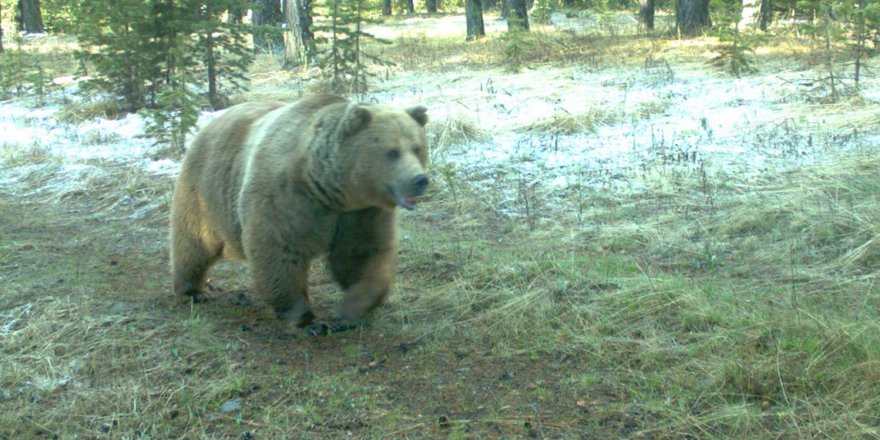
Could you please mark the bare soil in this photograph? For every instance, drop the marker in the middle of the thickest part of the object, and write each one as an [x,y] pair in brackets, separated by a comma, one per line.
[384,382]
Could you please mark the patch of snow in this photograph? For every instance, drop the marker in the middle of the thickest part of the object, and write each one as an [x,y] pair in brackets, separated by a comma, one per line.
[675,115]
[114,140]
[745,126]
[163,167]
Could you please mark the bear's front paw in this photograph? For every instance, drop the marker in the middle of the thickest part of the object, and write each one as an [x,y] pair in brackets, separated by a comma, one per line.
[325,327]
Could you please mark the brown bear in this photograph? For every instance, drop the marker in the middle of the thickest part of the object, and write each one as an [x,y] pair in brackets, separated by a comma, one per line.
[281,184]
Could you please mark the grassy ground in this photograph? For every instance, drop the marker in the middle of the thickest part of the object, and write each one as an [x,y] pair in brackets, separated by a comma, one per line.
[702,307]
[753,315]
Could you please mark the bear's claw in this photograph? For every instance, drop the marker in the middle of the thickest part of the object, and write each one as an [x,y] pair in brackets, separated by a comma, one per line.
[324,327]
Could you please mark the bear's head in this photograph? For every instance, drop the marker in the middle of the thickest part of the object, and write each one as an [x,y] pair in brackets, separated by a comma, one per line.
[387,153]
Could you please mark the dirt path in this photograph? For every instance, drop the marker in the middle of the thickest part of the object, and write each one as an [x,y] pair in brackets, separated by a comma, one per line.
[96,345]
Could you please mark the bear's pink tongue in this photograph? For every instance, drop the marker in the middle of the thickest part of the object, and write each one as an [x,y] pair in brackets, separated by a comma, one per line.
[403,201]
[407,202]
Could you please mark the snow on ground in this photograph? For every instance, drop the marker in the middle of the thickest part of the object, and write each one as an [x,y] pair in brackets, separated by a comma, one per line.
[681,114]
[699,118]
[23,126]
[677,115]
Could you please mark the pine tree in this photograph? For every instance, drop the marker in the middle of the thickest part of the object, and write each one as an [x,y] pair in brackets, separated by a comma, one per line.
[118,41]
[12,71]
[223,49]
[736,43]
[171,57]
[542,9]
[344,59]
[177,106]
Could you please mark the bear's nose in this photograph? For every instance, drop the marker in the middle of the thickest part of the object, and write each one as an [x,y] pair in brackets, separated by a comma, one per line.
[420,182]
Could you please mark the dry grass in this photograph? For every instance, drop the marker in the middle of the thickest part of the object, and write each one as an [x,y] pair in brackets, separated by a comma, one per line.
[79,112]
[450,132]
[655,315]
[753,318]
[565,123]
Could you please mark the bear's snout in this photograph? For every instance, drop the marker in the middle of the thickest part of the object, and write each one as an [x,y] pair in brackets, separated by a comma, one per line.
[420,183]
[406,192]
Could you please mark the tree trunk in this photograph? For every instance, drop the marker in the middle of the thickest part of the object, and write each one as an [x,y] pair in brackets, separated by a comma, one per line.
[646,14]
[766,14]
[829,54]
[19,20]
[386,7]
[31,17]
[431,5]
[505,9]
[519,15]
[131,81]
[861,38]
[300,41]
[211,61]
[473,11]
[1,27]
[410,6]
[235,15]
[267,18]
[692,16]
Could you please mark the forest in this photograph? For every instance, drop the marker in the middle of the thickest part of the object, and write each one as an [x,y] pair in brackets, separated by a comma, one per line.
[648,219]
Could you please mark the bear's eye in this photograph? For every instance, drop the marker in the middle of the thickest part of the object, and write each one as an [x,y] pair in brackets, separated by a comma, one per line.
[394,154]
[417,151]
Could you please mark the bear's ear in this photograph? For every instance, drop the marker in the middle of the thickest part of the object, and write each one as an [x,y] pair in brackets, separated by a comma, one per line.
[356,118]
[419,113]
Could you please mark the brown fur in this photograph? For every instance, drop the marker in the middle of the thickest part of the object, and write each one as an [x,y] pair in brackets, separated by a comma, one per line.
[280,185]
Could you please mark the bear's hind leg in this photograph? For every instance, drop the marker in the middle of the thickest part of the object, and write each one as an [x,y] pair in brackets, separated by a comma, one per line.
[194,248]
[191,258]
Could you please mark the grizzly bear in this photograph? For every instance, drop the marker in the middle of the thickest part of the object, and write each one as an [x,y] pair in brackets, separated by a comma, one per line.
[279,185]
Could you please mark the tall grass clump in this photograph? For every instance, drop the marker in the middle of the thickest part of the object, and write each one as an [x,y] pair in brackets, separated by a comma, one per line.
[756,317]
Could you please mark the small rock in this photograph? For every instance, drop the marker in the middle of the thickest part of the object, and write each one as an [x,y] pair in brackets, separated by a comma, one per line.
[443,421]
[372,365]
[404,347]
[107,427]
[231,406]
